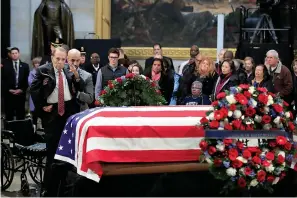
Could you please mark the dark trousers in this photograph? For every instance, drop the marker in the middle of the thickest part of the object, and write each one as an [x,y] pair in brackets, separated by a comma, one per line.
[55,171]
[14,106]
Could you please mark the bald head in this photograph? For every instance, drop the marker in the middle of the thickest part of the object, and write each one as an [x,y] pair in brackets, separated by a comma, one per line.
[73,57]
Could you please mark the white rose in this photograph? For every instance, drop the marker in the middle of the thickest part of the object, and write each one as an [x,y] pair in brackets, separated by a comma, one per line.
[266,109]
[253,103]
[237,114]
[230,113]
[254,182]
[208,160]
[230,99]
[211,109]
[231,172]
[221,128]
[287,114]
[241,170]
[258,118]
[226,121]
[275,181]
[280,126]
[267,126]
[220,147]
[270,100]
[144,77]
[243,160]
[252,89]
[277,120]
[211,116]
[270,168]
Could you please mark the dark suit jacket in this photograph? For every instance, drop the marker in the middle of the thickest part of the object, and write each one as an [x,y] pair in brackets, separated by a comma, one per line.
[8,77]
[149,63]
[44,84]
[89,68]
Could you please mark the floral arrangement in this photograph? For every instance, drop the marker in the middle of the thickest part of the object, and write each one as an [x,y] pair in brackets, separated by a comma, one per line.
[130,90]
[247,108]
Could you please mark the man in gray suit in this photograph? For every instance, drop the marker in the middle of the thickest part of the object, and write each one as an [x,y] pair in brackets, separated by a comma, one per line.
[85,95]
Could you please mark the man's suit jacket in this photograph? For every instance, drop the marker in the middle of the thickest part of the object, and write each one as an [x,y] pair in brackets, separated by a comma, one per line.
[89,68]
[149,63]
[8,80]
[44,84]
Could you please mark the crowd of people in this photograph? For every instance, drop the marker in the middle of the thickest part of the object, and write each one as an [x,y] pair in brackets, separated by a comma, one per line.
[66,83]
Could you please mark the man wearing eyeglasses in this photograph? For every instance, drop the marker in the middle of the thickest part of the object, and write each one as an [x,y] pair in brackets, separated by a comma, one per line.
[109,72]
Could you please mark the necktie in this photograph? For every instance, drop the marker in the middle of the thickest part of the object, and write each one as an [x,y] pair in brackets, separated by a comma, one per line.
[61,108]
[16,74]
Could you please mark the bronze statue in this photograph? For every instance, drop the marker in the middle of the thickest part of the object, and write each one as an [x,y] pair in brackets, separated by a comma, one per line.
[52,19]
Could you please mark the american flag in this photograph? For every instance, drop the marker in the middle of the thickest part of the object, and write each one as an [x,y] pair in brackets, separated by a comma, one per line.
[130,134]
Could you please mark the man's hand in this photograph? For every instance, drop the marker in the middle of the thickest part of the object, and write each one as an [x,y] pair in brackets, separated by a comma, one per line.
[74,71]
[18,91]
[12,91]
[48,108]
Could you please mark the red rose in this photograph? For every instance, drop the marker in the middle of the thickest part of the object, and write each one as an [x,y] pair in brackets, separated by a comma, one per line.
[281,140]
[236,164]
[242,127]
[221,95]
[241,182]
[130,75]
[244,86]
[212,150]
[214,124]
[215,103]
[272,143]
[147,78]
[241,99]
[266,119]
[247,171]
[285,103]
[263,98]
[270,178]
[233,154]
[97,103]
[228,127]
[203,145]
[109,82]
[103,92]
[291,126]
[256,160]
[249,127]
[217,162]
[158,91]
[239,145]
[265,163]
[270,156]
[254,150]
[288,146]
[280,159]
[153,84]
[227,141]
[262,89]
[110,86]
[224,111]
[277,108]
[119,80]
[250,112]
[203,120]
[218,115]
[261,176]
[236,124]
[232,107]
[247,94]
[246,154]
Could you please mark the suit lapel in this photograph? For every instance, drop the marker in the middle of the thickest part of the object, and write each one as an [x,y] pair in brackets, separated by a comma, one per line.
[69,79]
[21,71]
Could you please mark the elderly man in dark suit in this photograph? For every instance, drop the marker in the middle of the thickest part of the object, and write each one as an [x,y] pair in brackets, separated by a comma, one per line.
[85,96]
[53,92]
[14,83]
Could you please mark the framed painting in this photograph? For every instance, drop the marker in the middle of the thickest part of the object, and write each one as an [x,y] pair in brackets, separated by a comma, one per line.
[175,24]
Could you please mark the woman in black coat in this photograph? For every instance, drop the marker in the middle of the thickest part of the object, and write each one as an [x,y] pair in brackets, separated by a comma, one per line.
[162,77]
[262,78]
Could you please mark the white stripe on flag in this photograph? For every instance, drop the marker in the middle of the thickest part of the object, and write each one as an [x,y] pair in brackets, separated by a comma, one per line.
[139,144]
[144,121]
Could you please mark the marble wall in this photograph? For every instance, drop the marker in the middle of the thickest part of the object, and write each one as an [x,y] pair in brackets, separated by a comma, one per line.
[22,14]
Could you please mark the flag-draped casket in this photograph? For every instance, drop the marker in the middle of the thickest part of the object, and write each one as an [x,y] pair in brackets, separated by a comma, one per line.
[130,134]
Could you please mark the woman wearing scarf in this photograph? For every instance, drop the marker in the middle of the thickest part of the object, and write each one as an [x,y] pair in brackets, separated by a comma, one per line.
[227,78]
[163,80]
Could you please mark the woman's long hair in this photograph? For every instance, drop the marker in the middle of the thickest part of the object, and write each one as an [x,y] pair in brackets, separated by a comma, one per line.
[211,67]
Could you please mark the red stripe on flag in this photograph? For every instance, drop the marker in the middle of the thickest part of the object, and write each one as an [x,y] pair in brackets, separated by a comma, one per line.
[145,131]
[142,156]
[182,113]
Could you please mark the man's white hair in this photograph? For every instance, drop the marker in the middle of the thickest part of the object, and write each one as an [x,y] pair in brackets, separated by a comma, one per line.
[273,53]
